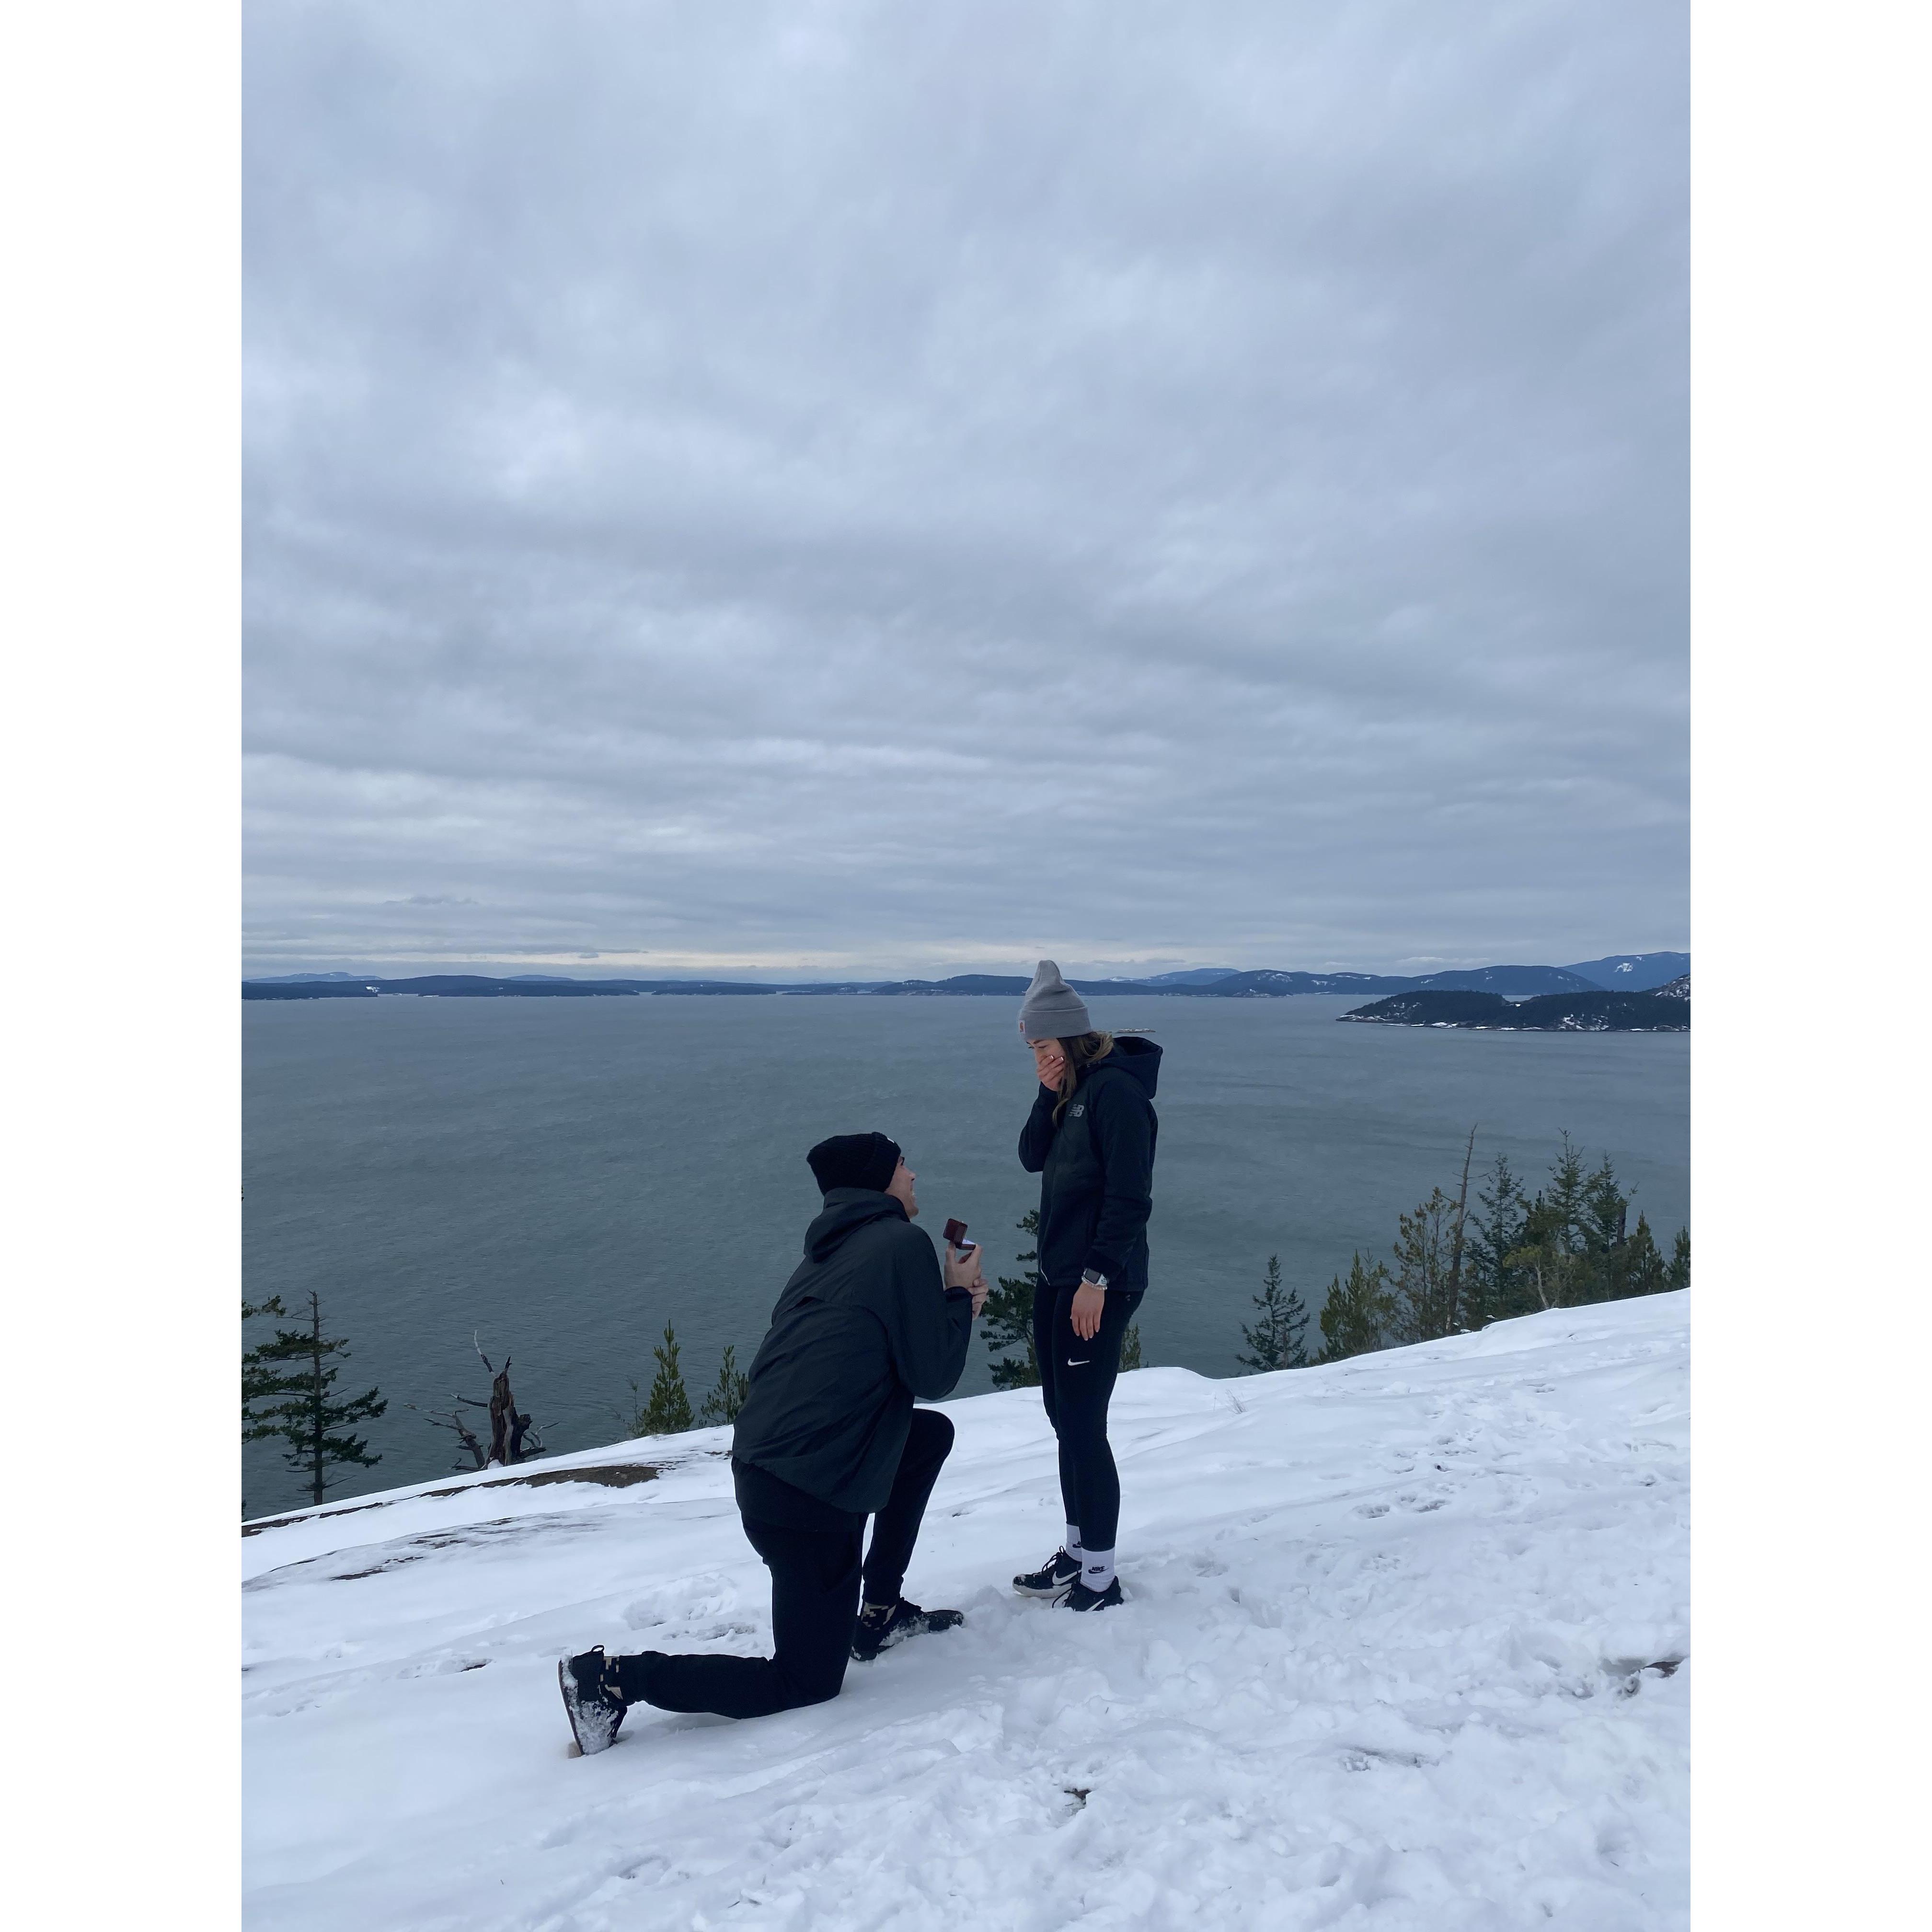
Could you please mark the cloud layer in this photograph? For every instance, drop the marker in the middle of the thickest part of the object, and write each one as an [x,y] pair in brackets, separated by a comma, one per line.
[852,486]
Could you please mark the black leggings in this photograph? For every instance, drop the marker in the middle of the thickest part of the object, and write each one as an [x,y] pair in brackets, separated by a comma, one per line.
[895,1528]
[1076,1380]
[815,1583]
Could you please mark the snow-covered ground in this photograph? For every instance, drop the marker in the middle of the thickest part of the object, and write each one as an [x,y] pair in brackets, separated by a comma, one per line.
[1397,1653]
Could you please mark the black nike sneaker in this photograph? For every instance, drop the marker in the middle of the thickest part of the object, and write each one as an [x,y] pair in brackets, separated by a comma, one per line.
[879,1626]
[590,1700]
[1053,1579]
[1081,1598]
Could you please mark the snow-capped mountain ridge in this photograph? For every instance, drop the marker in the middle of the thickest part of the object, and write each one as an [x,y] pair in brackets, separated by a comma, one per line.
[1633,972]
[1622,973]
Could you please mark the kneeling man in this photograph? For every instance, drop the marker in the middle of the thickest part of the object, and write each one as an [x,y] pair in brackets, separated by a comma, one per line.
[828,1436]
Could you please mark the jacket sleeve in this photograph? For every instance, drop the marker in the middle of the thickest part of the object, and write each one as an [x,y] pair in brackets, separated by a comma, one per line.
[1036,1136]
[928,1326]
[1123,1137]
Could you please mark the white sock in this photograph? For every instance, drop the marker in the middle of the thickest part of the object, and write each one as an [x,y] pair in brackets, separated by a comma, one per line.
[1096,1568]
[1072,1545]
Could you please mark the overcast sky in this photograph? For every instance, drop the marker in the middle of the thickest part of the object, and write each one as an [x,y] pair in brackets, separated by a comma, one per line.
[835,487]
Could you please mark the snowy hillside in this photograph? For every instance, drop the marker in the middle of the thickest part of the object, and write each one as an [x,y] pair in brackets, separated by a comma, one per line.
[1400,1651]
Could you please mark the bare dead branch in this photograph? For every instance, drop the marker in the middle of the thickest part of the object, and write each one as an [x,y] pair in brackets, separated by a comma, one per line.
[463,1433]
[1456,1249]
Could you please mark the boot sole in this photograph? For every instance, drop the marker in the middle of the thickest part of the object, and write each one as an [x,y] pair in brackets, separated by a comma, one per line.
[570,1712]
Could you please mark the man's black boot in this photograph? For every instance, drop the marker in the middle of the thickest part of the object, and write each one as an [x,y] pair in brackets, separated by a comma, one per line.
[590,1700]
[1081,1598]
[879,1626]
[1052,1580]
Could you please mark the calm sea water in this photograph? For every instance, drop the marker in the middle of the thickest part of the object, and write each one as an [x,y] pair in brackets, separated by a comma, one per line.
[564,1177]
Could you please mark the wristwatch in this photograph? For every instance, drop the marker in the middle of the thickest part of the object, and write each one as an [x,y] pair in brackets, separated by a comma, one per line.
[1088,1279]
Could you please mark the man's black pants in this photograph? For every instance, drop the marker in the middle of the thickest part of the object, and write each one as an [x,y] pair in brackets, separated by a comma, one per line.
[815,1583]
[1076,1383]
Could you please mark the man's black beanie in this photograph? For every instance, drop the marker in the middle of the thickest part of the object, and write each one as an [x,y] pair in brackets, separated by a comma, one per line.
[853,1160]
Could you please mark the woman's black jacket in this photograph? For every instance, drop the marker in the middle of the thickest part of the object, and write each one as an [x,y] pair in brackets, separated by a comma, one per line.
[1097,1169]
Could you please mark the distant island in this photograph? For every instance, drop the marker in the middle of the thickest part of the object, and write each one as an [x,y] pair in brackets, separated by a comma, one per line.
[1625,975]
[1665,1009]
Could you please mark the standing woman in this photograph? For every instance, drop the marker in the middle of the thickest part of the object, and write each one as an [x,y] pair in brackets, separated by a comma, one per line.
[1089,1137]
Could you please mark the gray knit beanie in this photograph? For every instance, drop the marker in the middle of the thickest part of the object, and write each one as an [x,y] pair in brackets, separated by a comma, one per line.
[1052,1009]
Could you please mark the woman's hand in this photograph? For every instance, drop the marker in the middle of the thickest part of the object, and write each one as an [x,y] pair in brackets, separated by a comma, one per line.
[1089,1303]
[1049,1062]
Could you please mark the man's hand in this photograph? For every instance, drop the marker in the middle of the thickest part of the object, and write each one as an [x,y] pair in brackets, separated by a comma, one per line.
[962,1270]
[1089,1303]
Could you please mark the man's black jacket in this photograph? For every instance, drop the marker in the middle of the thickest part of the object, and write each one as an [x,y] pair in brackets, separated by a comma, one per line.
[1097,1169]
[865,1325]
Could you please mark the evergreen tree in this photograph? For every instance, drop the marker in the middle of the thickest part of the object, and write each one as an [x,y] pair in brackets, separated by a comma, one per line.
[287,1396]
[1456,1270]
[727,1397]
[1554,1263]
[1006,1320]
[1356,1315]
[1425,1296]
[1543,1264]
[667,1409]
[258,1377]
[1130,1348]
[1493,1288]
[1614,1258]
[1605,1209]
[1276,1337]
[1566,1199]
[1678,1275]
[1639,1267]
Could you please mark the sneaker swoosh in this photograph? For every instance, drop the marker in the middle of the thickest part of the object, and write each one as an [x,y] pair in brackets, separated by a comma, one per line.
[1080,1364]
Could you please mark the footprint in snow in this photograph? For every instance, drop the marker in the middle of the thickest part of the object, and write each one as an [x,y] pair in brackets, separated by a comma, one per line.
[1366,1757]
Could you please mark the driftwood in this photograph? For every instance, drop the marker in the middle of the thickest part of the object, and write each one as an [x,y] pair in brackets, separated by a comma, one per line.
[508,1425]
[512,1432]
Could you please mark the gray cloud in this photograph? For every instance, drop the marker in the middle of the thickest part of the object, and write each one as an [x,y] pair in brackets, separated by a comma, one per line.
[910,487]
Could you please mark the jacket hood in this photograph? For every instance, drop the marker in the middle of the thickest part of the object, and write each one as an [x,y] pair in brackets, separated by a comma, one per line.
[847,1210]
[1135,1055]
